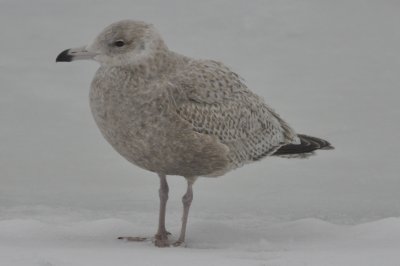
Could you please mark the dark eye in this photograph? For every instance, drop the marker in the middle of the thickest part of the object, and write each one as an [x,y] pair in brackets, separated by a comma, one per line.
[119,43]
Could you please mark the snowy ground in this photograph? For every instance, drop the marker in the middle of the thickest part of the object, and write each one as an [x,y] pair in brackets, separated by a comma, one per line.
[330,68]
[212,242]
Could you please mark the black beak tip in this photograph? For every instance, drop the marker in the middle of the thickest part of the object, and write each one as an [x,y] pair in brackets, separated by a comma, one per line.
[64,56]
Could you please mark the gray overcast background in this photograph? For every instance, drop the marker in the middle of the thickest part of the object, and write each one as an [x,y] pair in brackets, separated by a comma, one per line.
[330,68]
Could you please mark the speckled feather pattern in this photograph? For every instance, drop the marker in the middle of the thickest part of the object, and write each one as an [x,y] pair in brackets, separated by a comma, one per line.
[219,104]
[175,115]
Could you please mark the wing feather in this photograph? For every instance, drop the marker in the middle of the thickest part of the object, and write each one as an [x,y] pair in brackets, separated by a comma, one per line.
[216,102]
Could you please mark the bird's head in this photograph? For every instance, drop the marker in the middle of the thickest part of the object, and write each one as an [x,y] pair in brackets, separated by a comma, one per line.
[122,43]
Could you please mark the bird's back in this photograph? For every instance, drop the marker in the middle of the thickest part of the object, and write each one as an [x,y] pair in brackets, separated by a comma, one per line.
[216,102]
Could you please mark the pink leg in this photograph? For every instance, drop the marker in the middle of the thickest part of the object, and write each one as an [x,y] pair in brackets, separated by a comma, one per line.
[161,237]
[187,201]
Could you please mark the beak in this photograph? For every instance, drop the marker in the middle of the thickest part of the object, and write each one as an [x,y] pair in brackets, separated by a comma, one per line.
[72,54]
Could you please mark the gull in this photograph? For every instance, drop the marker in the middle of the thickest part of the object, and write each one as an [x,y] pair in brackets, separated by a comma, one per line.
[175,115]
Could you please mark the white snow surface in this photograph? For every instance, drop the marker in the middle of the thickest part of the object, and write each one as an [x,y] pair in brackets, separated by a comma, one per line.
[212,242]
[329,68]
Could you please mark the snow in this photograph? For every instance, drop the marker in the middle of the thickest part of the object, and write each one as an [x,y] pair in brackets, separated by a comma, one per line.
[330,68]
[223,242]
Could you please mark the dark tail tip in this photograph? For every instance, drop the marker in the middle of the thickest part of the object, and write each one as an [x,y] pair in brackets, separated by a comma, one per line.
[307,144]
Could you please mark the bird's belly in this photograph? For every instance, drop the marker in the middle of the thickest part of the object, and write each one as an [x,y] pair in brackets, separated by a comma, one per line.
[159,142]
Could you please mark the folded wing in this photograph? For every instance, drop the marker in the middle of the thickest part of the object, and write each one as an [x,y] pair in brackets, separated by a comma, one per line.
[216,102]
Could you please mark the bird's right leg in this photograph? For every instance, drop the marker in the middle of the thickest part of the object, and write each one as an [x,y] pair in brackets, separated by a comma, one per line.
[161,237]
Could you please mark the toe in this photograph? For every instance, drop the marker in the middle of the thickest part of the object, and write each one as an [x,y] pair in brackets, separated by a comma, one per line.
[179,243]
[132,238]
[161,243]
[161,240]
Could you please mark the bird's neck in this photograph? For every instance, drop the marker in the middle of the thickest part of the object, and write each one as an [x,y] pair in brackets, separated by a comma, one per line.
[156,63]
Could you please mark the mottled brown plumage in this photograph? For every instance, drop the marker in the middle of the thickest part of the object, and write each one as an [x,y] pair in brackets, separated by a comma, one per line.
[176,115]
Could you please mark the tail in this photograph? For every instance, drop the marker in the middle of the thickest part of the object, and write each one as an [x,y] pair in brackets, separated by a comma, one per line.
[306,147]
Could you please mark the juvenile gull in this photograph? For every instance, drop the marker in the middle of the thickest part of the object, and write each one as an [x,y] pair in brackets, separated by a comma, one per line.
[175,115]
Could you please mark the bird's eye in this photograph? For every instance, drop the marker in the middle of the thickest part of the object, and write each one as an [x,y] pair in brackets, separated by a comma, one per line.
[119,43]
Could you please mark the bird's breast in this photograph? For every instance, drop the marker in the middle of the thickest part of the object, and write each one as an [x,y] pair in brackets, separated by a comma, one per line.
[132,123]
[143,127]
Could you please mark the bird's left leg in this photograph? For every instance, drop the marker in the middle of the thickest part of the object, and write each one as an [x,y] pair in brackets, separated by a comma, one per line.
[187,201]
